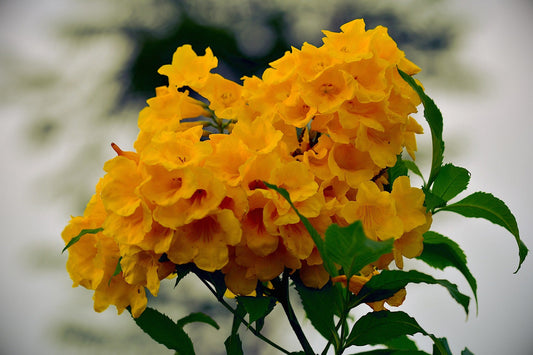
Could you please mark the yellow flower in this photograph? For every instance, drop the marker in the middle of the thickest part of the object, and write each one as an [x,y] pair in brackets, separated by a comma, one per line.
[316,158]
[114,290]
[229,154]
[351,165]
[237,279]
[282,69]
[358,281]
[313,61]
[165,187]
[174,150]
[265,268]
[120,187]
[329,90]
[224,96]
[205,241]
[259,136]
[295,111]
[207,196]
[335,194]
[141,267]
[81,254]
[354,113]
[350,45]
[376,210]
[409,139]
[409,203]
[330,124]
[189,69]
[166,112]
[314,276]
[255,234]
[371,79]
[131,229]
[158,239]
[382,146]
[298,180]
[93,260]
[297,240]
[321,122]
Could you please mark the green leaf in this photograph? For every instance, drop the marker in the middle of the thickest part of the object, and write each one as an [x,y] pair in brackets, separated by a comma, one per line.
[399,169]
[216,278]
[485,205]
[381,327]
[434,118]
[433,201]
[197,317]
[388,282]
[257,307]
[440,346]
[466,352]
[450,181]
[118,270]
[392,352]
[349,247]
[401,343]
[441,252]
[329,265]
[411,165]
[182,271]
[233,345]
[165,331]
[81,234]
[320,306]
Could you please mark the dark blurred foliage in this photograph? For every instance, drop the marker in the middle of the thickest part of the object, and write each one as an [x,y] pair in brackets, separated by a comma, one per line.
[424,35]
[153,51]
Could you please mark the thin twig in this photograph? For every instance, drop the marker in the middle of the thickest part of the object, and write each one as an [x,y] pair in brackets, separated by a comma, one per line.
[241,319]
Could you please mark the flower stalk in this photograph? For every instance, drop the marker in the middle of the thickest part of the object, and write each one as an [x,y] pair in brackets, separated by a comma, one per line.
[281,293]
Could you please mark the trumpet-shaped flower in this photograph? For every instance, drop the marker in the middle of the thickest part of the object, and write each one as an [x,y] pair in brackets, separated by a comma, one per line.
[205,241]
[174,150]
[376,210]
[207,196]
[188,68]
[351,165]
[329,90]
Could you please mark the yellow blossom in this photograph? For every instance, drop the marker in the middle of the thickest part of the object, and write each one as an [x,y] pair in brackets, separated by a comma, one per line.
[174,150]
[120,187]
[207,196]
[314,276]
[358,281]
[329,90]
[409,203]
[189,69]
[205,241]
[322,122]
[351,165]
[312,61]
[377,212]
[140,267]
[224,96]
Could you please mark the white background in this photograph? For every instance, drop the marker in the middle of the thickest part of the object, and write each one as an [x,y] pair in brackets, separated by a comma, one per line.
[492,124]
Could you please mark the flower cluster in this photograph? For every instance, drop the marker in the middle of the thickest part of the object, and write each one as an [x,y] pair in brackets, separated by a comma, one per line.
[324,123]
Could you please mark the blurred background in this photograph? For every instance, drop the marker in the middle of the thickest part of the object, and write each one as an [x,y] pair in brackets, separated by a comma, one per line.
[74,75]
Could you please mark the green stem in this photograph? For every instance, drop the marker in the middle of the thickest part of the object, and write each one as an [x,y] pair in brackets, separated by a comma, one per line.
[282,295]
[242,320]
